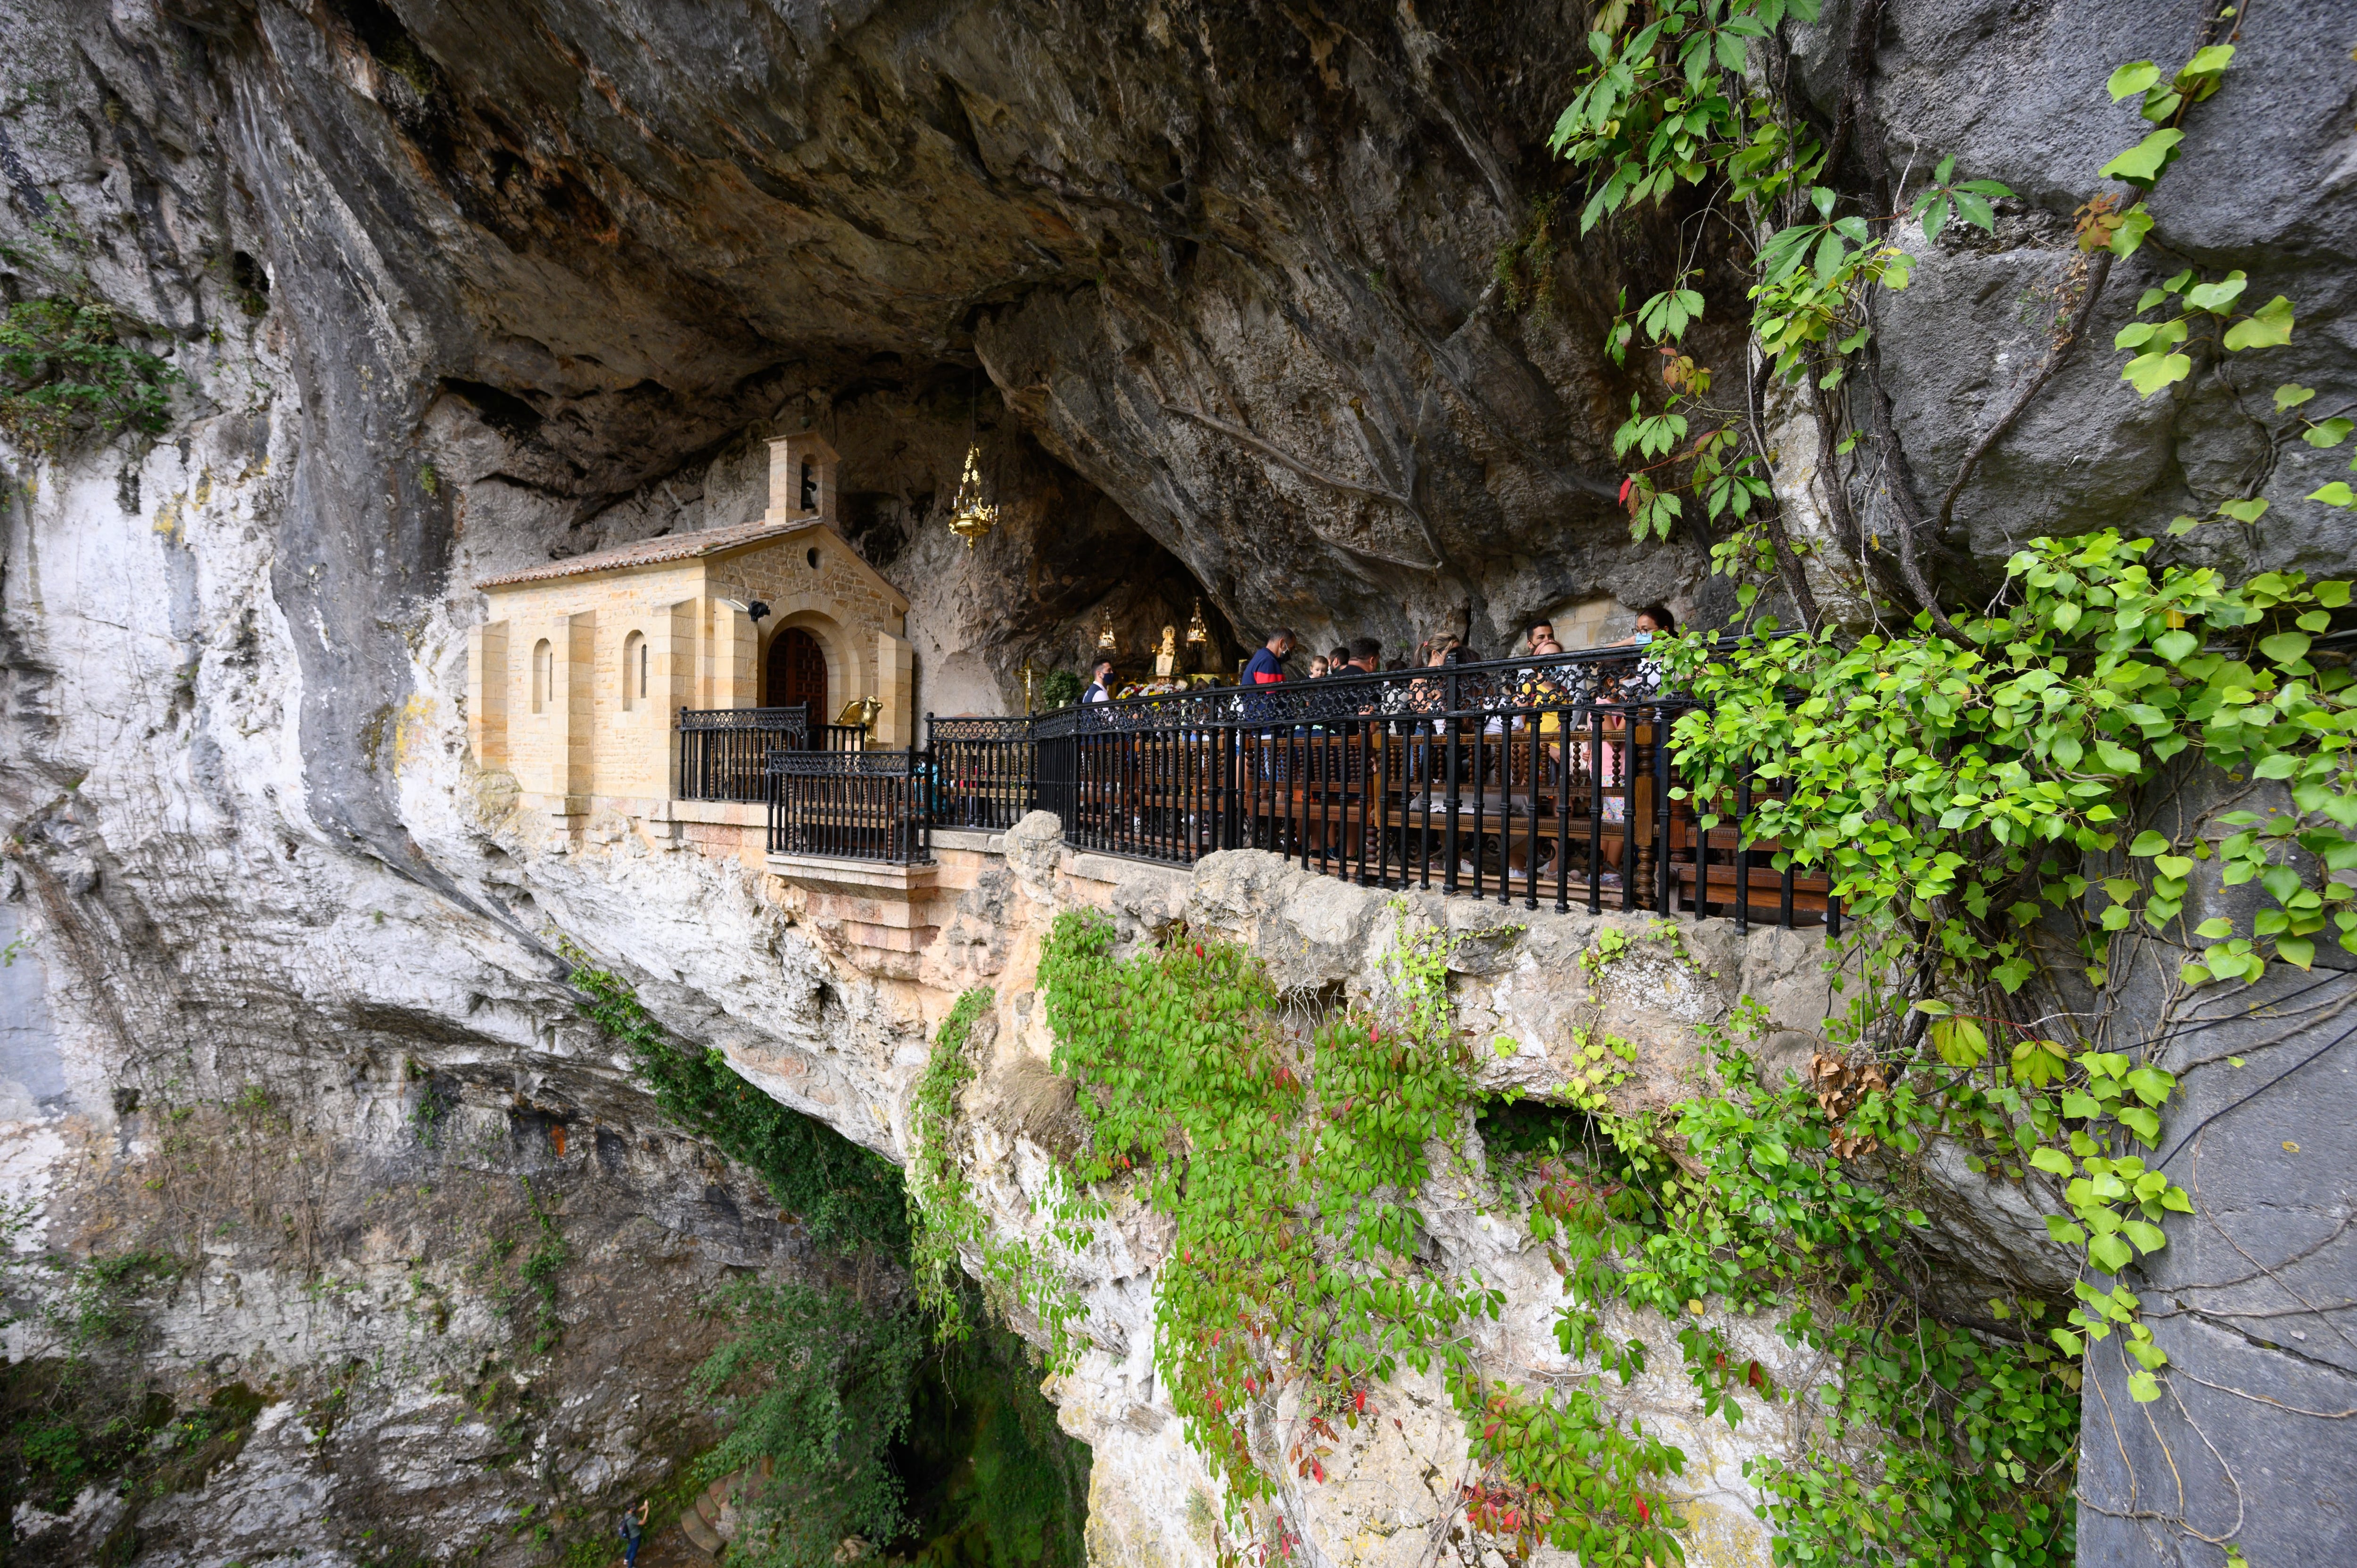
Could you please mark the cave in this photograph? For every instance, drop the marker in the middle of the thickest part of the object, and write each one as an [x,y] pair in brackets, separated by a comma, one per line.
[413,1021]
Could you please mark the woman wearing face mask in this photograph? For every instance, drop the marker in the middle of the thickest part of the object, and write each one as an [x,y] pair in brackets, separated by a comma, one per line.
[1653,620]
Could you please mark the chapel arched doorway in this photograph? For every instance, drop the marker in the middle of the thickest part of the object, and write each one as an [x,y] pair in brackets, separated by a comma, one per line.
[797,673]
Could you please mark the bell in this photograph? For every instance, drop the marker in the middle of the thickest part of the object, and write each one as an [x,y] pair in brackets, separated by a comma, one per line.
[971,516]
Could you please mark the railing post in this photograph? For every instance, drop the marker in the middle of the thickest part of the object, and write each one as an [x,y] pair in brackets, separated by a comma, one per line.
[1660,811]
[1449,835]
[921,826]
[1742,855]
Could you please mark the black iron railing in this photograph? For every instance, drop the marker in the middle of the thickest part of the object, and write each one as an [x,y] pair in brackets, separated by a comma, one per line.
[1525,780]
[982,771]
[839,737]
[723,752]
[849,805]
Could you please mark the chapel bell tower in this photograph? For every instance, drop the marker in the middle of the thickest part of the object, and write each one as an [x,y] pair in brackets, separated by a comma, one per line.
[801,479]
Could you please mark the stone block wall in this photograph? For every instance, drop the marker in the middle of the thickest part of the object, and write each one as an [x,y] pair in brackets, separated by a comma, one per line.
[580,726]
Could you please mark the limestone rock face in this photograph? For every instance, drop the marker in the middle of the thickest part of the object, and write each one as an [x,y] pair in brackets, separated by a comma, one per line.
[1258,303]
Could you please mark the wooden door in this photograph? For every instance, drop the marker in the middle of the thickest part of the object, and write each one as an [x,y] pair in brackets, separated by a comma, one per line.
[797,673]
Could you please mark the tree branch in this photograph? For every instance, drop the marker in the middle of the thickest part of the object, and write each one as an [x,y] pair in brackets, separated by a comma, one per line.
[1285,459]
[2099,272]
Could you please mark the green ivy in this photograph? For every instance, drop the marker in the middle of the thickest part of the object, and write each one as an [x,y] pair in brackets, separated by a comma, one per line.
[844,1193]
[1288,1155]
[944,1220]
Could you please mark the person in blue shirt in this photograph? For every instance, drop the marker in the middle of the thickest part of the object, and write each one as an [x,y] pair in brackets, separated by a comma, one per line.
[1266,667]
[1100,687]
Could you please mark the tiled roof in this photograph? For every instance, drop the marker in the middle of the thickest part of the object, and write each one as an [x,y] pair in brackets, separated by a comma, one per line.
[649,551]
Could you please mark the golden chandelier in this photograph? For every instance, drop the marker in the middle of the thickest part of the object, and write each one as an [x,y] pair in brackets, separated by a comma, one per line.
[971,516]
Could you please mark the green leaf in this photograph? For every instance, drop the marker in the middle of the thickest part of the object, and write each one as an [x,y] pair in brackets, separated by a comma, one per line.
[2143,1387]
[2147,843]
[2215,929]
[2285,646]
[2268,328]
[1934,1009]
[2141,164]
[2208,62]
[2296,950]
[2330,433]
[2147,1237]
[2133,225]
[2217,296]
[2109,1253]
[1935,216]
[2132,78]
[1959,1042]
[2052,1160]
[2176,646]
[2150,372]
[2337,493]
[2247,511]
[2291,394]
[2150,1084]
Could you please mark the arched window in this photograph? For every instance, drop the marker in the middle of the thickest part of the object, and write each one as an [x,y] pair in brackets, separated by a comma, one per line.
[634,671]
[540,660]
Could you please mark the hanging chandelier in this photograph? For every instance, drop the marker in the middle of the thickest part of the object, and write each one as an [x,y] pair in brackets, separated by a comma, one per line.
[971,516]
[1197,633]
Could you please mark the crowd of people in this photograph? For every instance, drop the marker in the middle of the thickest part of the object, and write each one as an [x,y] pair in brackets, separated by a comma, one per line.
[1365,655]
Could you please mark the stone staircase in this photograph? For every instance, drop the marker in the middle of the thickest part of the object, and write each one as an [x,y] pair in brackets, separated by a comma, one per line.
[703,1521]
[710,1521]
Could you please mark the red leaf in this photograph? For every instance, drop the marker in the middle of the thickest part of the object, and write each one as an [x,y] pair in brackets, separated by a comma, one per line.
[1644,1514]
[1625,487]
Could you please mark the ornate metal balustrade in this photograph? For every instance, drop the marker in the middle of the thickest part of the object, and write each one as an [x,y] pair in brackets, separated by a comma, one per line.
[1525,780]
[982,771]
[849,805]
[723,752]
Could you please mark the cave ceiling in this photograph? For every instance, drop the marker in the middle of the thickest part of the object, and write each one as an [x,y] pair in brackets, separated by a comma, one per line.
[1231,268]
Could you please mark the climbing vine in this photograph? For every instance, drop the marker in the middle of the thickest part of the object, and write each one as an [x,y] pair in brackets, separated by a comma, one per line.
[1288,1151]
[1973,786]
[843,1193]
[945,1221]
